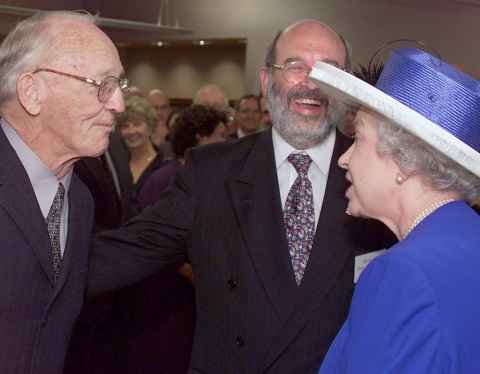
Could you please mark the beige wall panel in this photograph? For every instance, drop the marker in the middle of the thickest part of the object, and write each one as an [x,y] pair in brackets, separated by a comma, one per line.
[180,71]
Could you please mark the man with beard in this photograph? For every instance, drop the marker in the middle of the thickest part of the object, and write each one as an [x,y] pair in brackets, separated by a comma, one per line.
[271,248]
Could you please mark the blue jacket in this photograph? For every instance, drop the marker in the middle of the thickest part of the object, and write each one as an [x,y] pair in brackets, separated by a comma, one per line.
[416,309]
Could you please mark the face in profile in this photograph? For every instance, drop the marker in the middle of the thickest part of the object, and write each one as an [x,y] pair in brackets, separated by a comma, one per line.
[75,117]
[372,176]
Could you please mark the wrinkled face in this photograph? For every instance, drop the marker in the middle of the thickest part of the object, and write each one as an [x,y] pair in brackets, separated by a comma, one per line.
[218,135]
[247,116]
[371,175]
[301,112]
[135,132]
[76,121]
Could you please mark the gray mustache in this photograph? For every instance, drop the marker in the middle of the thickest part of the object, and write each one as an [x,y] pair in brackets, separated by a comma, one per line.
[315,94]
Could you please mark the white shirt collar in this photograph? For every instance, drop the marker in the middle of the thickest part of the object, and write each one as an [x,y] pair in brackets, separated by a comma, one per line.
[320,154]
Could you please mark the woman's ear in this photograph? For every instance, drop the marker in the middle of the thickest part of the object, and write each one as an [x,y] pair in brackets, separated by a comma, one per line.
[29,93]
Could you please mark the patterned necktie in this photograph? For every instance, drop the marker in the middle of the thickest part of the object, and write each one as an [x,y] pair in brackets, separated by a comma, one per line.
[53,226]
[299,216]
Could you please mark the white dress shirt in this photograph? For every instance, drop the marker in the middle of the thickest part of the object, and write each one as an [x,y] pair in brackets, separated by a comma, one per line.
[44,182]
[321,156]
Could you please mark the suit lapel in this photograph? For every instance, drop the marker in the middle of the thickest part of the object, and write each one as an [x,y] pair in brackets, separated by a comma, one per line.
[330,252]
[256,201]
[18,199]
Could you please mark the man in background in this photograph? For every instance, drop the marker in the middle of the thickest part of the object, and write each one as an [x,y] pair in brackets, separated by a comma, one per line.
[161,103]
[247,116]
[60,90]
[213,96]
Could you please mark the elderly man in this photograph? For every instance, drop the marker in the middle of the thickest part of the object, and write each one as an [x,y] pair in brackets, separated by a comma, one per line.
[60,89]
[211,95]
[273,278]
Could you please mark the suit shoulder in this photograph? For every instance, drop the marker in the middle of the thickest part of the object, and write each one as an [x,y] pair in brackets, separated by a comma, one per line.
[226,152]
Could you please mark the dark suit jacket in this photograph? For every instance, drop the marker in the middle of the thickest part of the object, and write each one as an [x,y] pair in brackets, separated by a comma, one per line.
[224,213]
[36,315]
[111,210]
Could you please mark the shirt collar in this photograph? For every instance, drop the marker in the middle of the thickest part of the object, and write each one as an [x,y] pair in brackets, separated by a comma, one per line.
[43,181]
[320,154]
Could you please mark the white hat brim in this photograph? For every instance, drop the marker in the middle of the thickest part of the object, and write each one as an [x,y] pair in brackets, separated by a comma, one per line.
[350,89]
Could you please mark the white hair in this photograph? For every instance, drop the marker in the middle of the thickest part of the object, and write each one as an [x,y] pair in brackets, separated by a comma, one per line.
[413,155]
[27,44]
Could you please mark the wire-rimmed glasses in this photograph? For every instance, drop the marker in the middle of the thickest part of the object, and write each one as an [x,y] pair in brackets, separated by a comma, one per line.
[106,87]
[295,71]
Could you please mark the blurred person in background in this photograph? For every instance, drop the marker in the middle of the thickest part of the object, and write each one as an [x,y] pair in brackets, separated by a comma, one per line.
[136,126]
[213,96]
[247,116]
[161,104]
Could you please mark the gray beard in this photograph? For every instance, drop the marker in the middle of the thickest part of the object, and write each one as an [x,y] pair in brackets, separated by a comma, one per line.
[301,132]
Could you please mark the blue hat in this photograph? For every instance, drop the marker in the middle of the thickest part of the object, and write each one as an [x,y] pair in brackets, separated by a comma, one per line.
[422,94]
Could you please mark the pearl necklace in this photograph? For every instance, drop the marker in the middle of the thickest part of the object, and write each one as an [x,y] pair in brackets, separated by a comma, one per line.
[424,213]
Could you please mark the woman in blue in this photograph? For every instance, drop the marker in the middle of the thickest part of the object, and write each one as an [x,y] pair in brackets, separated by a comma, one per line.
[415,166]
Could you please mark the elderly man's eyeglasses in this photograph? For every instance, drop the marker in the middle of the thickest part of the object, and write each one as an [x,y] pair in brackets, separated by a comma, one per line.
[106,87]
[294,71]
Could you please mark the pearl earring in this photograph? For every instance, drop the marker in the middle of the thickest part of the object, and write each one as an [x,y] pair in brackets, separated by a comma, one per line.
[399,179]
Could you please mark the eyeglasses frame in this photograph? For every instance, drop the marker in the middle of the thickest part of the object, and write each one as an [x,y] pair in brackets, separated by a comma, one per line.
[122,82]
[281,67]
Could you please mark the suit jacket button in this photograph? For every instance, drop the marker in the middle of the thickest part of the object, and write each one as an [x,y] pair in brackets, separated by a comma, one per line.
[232,284]
[239,342]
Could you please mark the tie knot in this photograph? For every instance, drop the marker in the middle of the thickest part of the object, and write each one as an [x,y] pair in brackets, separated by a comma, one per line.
[300,162]
[57,203]
[60,192]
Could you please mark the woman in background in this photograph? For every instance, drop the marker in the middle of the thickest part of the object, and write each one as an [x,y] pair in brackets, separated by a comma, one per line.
[136,125]
[415,166]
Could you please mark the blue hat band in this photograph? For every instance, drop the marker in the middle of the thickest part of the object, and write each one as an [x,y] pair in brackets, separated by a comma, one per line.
[437,91]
